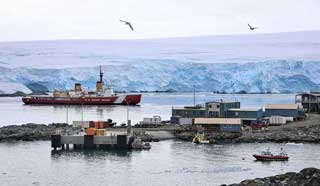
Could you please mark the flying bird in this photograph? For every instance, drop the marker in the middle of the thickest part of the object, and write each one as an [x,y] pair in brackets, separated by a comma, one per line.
[252,28]
[127,23]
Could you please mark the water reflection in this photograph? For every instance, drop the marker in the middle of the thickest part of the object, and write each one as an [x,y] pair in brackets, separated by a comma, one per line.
[168,163]
[91,153]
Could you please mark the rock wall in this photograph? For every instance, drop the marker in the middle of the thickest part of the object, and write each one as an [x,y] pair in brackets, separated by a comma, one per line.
[306,177]
[31,132]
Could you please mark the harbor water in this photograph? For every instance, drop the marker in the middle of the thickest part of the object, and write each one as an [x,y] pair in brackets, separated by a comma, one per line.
[13,111]
[167,163]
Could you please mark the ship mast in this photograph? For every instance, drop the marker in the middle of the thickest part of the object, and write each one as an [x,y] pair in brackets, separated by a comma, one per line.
[99,85]
[101,74]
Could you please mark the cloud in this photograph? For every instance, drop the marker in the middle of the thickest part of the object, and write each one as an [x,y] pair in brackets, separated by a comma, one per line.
[99,19]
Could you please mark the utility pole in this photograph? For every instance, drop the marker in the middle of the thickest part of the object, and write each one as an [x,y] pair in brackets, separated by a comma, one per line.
[129,129]
[67,115]
[127,114]
[82,114]
[194,95]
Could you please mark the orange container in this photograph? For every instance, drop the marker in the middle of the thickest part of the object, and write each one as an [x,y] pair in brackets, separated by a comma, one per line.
[90,131]
[100,124]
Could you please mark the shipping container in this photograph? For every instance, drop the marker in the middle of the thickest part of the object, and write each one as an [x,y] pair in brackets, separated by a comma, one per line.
[185,121]
[277,120]
[289,119]
[81,124]
[101,132]
[155,120]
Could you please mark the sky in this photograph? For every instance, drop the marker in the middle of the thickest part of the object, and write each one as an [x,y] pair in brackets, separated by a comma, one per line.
[99,19]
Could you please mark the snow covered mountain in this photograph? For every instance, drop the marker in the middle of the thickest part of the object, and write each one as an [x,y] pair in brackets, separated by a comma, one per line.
[284,62]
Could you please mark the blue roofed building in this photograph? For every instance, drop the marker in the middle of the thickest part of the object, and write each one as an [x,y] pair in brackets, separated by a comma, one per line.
[285,110]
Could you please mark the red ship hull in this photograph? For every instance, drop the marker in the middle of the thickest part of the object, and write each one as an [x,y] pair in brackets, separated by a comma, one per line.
[271,158]
[105,100]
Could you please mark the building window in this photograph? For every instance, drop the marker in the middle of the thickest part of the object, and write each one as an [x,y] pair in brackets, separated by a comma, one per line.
[236,113]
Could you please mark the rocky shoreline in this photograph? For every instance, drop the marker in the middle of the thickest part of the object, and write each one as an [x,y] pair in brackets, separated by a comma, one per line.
[306,177]
[34,132]
[306,131]
[307,134]
[294,132]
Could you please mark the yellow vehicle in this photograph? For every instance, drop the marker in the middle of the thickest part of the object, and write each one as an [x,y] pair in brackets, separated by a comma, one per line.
[201,139]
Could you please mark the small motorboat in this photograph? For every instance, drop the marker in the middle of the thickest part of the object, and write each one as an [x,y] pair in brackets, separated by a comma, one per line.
[268,156]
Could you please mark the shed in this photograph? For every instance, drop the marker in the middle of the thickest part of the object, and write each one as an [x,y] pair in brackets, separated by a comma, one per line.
[218,124]
[286,110]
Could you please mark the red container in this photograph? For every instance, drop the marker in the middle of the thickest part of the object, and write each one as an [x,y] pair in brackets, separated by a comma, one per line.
[101,126]
[96,124]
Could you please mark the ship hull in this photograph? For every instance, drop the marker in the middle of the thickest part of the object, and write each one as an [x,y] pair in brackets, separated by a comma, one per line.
[105,100]
[270,158]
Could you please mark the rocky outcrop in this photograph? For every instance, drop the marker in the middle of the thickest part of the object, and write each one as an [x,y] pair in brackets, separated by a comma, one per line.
[306,177]
[216,136]
[145,137]
[16,94]
[161,134]
[224,136]
[185,135]
[31,132]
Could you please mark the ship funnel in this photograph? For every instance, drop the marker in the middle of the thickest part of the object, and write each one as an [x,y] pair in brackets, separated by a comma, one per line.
[77,87]
[99,86]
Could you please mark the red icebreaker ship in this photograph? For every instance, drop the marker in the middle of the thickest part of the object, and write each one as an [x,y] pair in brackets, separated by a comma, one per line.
[81,97]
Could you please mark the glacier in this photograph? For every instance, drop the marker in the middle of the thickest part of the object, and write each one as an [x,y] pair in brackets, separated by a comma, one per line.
[280,62]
